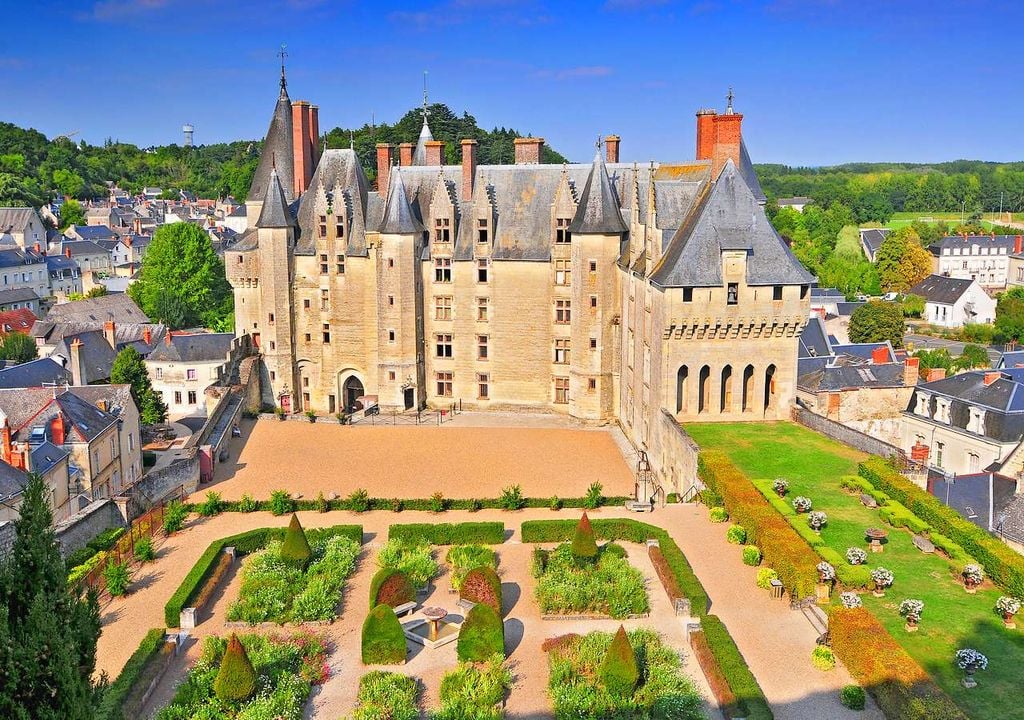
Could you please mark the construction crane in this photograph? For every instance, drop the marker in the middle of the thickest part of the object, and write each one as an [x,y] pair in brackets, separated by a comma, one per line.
[68,135]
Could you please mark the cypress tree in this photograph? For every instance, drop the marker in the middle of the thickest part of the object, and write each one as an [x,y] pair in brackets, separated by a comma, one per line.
[295,548]
[48,631]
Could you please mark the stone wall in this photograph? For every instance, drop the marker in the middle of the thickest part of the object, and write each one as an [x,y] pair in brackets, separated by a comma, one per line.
[179,479]
[249,377]
[675,461]
[845,435]
[7,535]
[86,524]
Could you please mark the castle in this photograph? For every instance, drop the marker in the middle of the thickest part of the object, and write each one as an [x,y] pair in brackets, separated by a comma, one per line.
[609,292]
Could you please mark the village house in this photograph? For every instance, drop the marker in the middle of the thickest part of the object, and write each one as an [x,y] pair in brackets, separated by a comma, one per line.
[984,258]
[954,302]
[185,364]
[49,461]
[21,226]
[871,239]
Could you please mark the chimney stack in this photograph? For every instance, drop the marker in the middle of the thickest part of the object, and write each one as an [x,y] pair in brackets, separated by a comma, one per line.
[77,371]
[911,371]
[435,152]
[528,150]
[6,449]
[468,168]
[167,339]
[935,374]
[147,335]
[611,148]
[718,139]
[57,429]
[109,333]
[405,151]
[67,252]
[1018,245]
[385,154]
[879,355]
[39,248]
[305,141]
[991,376]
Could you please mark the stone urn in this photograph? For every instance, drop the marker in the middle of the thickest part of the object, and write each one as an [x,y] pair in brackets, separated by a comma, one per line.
[878,592]
[911,625]
[969,681]
[1008,621]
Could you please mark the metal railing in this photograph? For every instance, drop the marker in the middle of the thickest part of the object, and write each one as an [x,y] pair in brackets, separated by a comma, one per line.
[149,525]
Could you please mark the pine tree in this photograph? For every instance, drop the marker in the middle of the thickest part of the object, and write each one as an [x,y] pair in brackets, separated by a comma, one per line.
[129,369]
[48,631]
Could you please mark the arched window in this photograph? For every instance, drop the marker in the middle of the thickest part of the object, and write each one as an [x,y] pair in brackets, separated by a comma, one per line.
[682,388]
[748,387]
[769,387]
[704,389]
[725,392]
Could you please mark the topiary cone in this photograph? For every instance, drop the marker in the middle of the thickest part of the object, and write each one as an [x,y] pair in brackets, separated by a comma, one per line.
[584,544]
[295,548]
[618,670]
[236,679]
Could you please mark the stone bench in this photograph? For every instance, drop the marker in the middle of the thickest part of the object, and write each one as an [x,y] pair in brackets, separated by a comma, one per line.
[404,608]
[776,589]
[465,604]
[924,544]
[868,501]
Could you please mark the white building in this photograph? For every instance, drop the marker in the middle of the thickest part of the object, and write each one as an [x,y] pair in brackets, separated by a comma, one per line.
[985,258]
[183,366]
[953,302]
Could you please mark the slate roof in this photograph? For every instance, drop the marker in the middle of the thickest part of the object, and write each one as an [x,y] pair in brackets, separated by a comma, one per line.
[278,150]
[399,218]
[275,212]
[82,247]
[58,265]
[120,308]
[46,455]
[834,378]
[340,173]
[26,407]
[1012,359]
[874,237]
[117,397]
[1002,399]
[12,481]
[966,243]
[979,497]
[599,208]
[747,171]
[864,350]
[33,374]
[200,347]
[827,293]
[16,257]
[14,219]
[814,339]
[419,155]
[845,309]
[95,232]
[941,289]
[18,295]
[96,355]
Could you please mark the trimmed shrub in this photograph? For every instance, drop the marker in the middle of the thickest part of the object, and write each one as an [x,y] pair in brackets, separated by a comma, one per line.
[765,576]
[618,671]
[386,695]
[482,635]
[822,658]
[717,681]
[512,498]
[144,551]
[117,577]
[736,534]
[175,515]
[584,544]
[358,501]
[481,533]
[321,504]
[236,678]
[281,502]
[751,556]
[112,705]
[853,697]
[391,587]
[383,642]
[718,514]
[463,558]
[295,548]
[211,505]
[474,691]
[729,660]
[482,585]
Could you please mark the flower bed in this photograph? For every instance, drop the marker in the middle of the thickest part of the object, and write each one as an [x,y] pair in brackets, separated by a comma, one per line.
[474,691]
[384,694]
[416,561]
[274,590]
[481,533]
[286,669]
[611,586]
[463,558]
[663,691]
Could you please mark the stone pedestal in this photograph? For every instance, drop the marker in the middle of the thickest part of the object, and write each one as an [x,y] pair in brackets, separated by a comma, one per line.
[876,546]
[910,628]
[823,591]
[187,618]
[969,682]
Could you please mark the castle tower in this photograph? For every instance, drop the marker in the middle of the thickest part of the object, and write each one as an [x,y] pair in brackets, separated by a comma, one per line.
[278,154]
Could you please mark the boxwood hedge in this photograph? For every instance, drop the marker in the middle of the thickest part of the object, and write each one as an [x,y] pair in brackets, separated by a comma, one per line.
[112,705]
[482,533]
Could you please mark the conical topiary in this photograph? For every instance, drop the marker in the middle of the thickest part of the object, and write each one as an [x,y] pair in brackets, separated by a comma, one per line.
[295,548]
[584,544]
[383,641]
[618,671]
[236,679]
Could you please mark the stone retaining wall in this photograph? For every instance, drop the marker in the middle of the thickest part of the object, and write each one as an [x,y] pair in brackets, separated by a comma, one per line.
[86,524]
[845,435]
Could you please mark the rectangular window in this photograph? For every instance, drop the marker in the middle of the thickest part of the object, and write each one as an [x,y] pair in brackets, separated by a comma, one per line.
[190,374]
[443,270]
[563,272]
[391,300]
[562,234]
[331,404]
[481,309]
[323,226]
[273,345]
[687,295]
[159,373]
[444,384]
[563,311]
[481,271]
[305,382]
[732,294]
[305,304]
[593,343]
[483,386]
[442,230]
[804,289]
[777,292]
[308,337]
[442,308]
[270,318]
[443,346]
[177,397]
[593,266]
[273,375]
[191,397]
[327,332]
[561,390]
[391,375]
[391,335]
[593,301]
[592,384]
[323,264]
[391,262]
[339,226]
[325,299]
[481,347]
[939,447]
[481,232]
[339,264]
[562,346]
[305,399]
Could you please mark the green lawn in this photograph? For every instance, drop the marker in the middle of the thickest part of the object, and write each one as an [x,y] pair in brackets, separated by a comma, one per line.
[952,619]
[952,219]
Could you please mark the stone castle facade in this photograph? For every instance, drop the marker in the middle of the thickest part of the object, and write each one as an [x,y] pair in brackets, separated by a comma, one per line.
[606,291]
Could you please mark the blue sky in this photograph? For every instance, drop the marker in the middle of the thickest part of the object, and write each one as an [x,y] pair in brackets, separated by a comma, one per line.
[819,81]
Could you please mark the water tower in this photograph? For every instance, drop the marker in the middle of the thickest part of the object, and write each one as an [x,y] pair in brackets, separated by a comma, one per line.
[188,130]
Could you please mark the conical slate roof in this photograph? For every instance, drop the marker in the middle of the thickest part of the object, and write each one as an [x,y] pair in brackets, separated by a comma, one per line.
[278,150]
[419,156]
[598,211]
[399,218]
[275,212]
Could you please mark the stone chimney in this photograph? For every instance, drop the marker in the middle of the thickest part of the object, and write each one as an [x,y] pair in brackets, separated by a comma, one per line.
[77,371]
[611,148]
[405,151]
[528,150]
[39,248]
[879,355]
[147,336]
[991,376]
[435,152]
[67,252]
[468,168]
[305,141]
[718,138]
[935,374]
[109,332]
[57,429]
[385,153]
[911,371]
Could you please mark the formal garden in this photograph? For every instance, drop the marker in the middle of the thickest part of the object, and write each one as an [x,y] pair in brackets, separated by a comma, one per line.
[904,576]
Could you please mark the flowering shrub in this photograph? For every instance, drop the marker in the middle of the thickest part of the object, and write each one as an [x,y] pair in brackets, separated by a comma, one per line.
[972,575]
[850,600]
[464,558]
[610,586]
[970,659]
[883,578]
[817,520]
[802,504]
[765,577]
[911,610]
[826,573]
[1007,605]
[856,556]
[822,658]
[781,486]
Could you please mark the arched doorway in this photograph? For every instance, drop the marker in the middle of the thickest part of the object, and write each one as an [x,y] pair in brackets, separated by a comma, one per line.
[725,392]
[769,388]
[681,388]
[351,390]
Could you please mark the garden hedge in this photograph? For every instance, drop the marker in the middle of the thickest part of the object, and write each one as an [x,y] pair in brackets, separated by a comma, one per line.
[482,586]
[899,685]
[481,636]
[782,545]
[427,504]
[244,543]
[1002,564]
[481,533]
[724,654]
[112,705]
[391,587]
[383,642]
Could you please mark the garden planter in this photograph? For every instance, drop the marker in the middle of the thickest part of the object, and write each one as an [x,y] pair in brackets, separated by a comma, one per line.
[1008,622]
[823,591]
[969,681]
[800,511]
[781,493]
[971,589]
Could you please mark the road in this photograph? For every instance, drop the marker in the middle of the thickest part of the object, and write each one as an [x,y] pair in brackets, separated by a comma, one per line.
[955,347]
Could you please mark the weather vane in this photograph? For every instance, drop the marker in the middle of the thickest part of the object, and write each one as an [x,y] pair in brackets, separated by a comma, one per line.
[425,110]
[282,54]
[728,98]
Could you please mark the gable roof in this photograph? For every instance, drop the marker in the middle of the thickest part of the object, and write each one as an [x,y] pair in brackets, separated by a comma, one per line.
[26,407]
[117,307]
[941,289]
[19,320]
[17,295]
[199,347]
[12,481]
[14,219]
[95,355]
[34,373]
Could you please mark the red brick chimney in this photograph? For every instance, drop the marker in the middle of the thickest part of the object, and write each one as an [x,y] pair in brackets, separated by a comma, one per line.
[39,248]
[109,332]
[879,356]
[385,154]
[705,133]
[1018,245]
[528,150]
[718,139]
[405,151]
[305,136]
[911,371]
[435,152]
[468,168]
[935,374]
[167,339]
[611,148]
[57,429]
[67,251]
[992,376]
[6,449]
[147,336]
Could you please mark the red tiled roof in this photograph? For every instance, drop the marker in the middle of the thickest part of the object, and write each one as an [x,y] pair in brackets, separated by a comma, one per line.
[20,320]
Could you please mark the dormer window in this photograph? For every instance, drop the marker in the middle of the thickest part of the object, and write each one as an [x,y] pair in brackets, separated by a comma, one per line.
[442,230]
[921,408]
[323,226]
[976,423]
[732,296]
[481,232]
[562,234]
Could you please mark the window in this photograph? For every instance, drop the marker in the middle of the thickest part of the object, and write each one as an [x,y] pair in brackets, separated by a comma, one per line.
[391,336]
[481,232]
[391,300]
[325,299]
[191,397]
[481,309]
[442,308]
[323,264]
[483,386]
[562,234]
[561,390]
[331,404]
[562,347]
[481,347]
[159,373]
[442,230]
[687,295]
[327,332]
[974,462]
[563,272]
[592,384]
[270,318]
[305,399]
[804,289]
[481,271]
[177,397]
[443,270]
[391,375]
[593,343]
[563,311]
[443,346]
[323,226]
[939,447]
[273,375]
[444,384]
[131,441]
[777,292]
[593,301]
[190,374]
[339,265]
[339,226]
[305,304]
[273,345]
[732,294]
[593,266]
[308,337]
[391,262]
[305,382]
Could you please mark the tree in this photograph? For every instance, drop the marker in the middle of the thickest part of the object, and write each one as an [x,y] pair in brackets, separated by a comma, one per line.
[1010,314]
[901,260]
[96,291]
[129,369]
[236,678]
[18,347]
[182,281]
[618,671]
[877,321]
[295,548]
[934,359]
[584,543]
[973,356]
[48,629]
[71,213]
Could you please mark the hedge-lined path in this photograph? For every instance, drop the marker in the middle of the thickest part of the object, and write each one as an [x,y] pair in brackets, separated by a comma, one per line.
[776,642]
